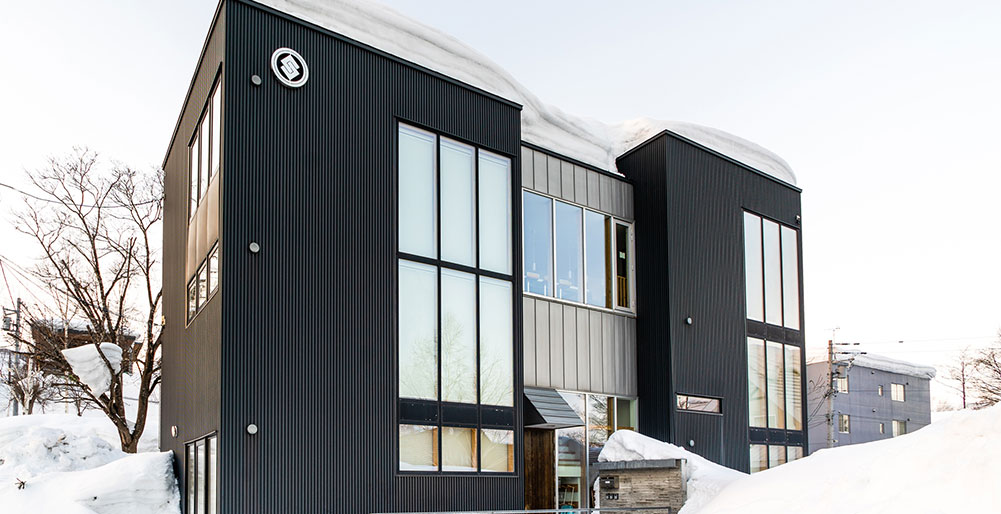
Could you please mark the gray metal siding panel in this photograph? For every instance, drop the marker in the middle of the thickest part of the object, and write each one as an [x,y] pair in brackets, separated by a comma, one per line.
[527,171]
[567,181]
[541,168]
[596,352]
[543,375]
[605,186]
[570,348]
[583,350]
[628,211]
[553,165]
[608,351]
[580,184]
[593,189]
[529,345]
[557,379]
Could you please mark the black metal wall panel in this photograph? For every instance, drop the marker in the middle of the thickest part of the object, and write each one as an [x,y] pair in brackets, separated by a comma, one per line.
[690,202]
[190,391]
[309,332]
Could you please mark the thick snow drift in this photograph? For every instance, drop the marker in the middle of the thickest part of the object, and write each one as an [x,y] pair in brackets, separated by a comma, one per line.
[590,141]
[705,479]
[69,465]
[949,466]
[87,363]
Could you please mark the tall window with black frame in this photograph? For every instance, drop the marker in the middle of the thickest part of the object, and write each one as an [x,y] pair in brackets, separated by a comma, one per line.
[455,306]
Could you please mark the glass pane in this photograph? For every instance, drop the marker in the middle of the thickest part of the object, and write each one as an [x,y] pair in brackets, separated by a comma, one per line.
[773,273]
[794,389]
[622,261]
[418,331]
[189,486]
[596,245]
[776,387]
[213,466]
[418,448]
[458,449]
[200,478]
[759,457]
[458,336]
[417,192]
[497,450]
[570,461]
[496,342]
[214,269]
[193,179]
[495,213]
[203,291]
[790,277]
[776,456]
[192,298]
[625,414]
[203,174]
[794,453]
[756,382]
[216,133]
[569,252]
[698,404]
[600,415]
[538,234]
[458,233]
[754,283]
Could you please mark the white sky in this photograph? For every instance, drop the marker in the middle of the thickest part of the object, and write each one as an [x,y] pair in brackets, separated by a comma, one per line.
[888,112]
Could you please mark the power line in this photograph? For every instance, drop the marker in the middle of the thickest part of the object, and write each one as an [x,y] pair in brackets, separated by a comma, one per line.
[57,202]
[6,283]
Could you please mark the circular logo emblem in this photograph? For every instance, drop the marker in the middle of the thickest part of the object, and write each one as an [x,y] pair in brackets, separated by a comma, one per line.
[289,67]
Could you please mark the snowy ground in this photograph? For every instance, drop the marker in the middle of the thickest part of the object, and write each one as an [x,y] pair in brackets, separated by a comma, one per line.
[73,465]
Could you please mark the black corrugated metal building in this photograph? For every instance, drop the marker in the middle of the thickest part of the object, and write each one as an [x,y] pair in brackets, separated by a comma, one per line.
[379,298]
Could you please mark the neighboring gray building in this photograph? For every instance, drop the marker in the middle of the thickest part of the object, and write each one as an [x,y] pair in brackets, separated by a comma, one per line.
[876,398]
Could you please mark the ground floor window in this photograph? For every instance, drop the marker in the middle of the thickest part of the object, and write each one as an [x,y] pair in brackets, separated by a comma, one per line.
[899,428]
[577,448]
[201,465]
[765,456]
[844,424]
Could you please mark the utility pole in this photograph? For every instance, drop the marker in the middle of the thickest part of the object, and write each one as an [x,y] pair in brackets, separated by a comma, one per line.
[16,330]
[830,392]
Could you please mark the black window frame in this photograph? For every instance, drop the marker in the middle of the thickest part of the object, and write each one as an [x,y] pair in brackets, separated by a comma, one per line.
[191,487]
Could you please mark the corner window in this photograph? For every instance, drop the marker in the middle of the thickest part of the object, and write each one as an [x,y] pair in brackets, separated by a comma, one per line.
[844,423]
[771,268]
[698,404]
[899,428]
[455,307]
[201,466]
[897,392]
[575,254]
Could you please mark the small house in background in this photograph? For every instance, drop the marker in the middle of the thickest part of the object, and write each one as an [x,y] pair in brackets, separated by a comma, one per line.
[52,336]
[875,398]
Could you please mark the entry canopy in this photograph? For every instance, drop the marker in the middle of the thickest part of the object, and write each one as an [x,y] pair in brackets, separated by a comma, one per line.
[545,408]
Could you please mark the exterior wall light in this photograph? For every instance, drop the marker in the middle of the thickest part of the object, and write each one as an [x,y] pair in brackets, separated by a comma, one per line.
[251,429]
[689,320]
[173,430]
[256,80]
[254,247]
[691,442]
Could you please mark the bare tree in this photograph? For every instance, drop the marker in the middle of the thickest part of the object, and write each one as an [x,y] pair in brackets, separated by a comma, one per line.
[958,375]
[95,229]
[986,379]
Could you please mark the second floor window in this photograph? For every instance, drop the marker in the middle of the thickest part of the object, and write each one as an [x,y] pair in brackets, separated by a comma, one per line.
[775,385]
[771,262]
[897,392]
[204,151]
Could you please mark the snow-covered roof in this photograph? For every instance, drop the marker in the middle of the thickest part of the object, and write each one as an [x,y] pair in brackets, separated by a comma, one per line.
[587,140]
[882,363]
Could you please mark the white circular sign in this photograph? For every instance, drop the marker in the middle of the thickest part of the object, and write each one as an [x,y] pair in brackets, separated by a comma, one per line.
[289,67]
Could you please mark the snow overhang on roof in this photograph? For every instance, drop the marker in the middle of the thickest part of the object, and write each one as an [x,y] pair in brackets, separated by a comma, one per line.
[879,362]
[589,141]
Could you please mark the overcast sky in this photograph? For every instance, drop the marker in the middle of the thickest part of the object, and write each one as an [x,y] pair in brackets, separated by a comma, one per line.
[889,113]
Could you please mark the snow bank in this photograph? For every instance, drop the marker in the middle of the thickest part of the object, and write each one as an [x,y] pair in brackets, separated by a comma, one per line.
[949,466]
[91,368]
[73,465]
[705,478]
[590,141]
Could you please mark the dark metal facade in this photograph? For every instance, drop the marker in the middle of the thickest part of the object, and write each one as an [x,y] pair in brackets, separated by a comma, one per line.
[689,203]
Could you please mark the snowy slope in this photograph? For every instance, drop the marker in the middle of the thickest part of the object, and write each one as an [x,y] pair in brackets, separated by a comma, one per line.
[74,465]
[590,141]
[950,466]
[706,478]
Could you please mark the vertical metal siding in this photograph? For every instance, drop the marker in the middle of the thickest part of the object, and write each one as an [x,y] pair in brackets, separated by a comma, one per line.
[309,333]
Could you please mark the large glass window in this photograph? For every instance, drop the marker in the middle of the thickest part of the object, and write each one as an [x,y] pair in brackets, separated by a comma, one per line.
[458,232]
[458,336]
[417,192]
[569,252]
[757,409]
[794,388]
[597,247]
[776,386]
[897,392]
[456,303]
[201,474]
[418,329]
[771,267]
[495,212]
[538,245]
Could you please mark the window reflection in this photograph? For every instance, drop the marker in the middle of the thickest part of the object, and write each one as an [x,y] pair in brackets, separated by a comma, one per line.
[496,342]
[569,253]
[773,272]
[458,449]
[794,389]
[417,448]
[458,336]
[756,409]
[776,386]
[538,222]
[597,246]
[417,197]
[418,328]
[759,457]
[458,234]
[570,459]
[752,268]
[497,450]
[495,212]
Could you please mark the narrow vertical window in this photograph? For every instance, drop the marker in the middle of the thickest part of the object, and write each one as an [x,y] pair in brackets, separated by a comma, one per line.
[192,298]
[753,268]
[496,343]
[776,386]
[844,423]
[216,132]
[458,228]
[538,243]
[418,325]
[776,455]
[790,277]
[569,254]
[203,279]
[757,410]
[193,177]
[214,269]
[417,192]
[773,272]
[495,212]
[191,479]
[203,175]
[212,470]
[882,428]
[794,388]
[458,336]
[623,263]
[596,259]
[200,477]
